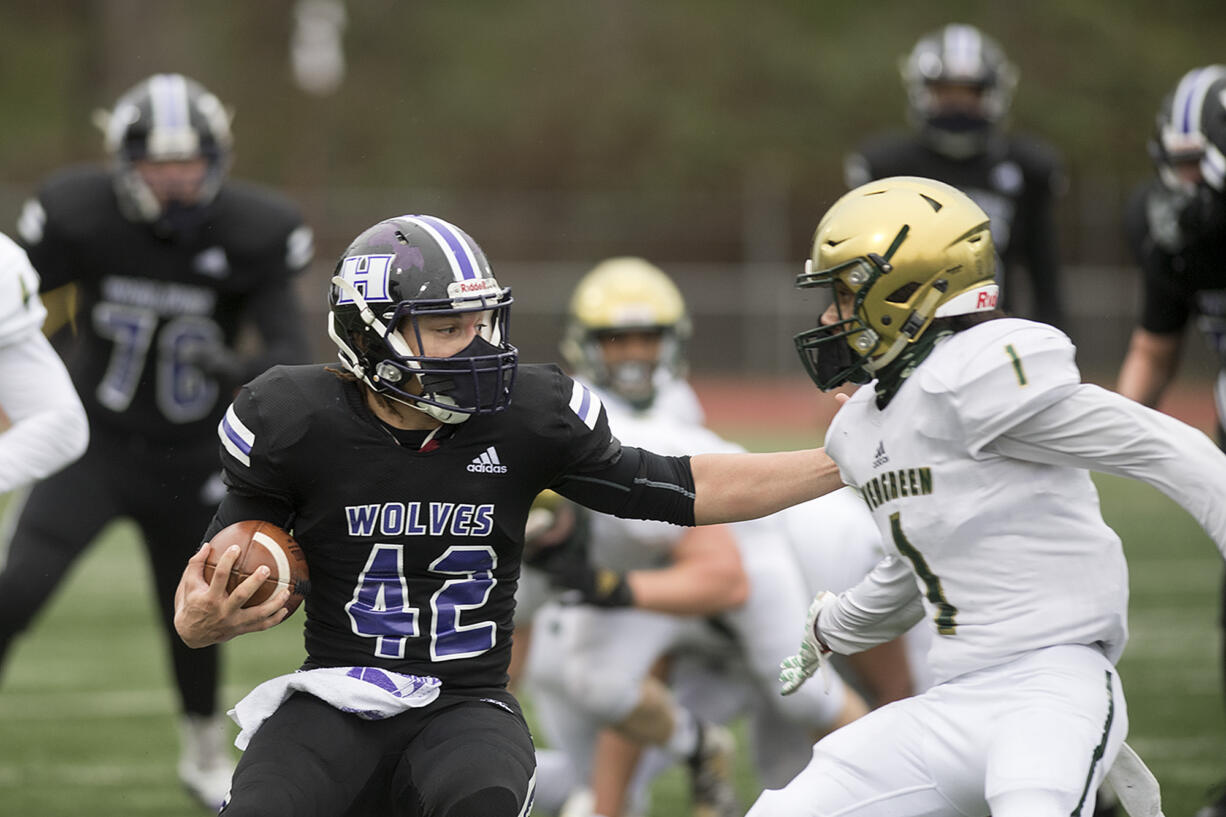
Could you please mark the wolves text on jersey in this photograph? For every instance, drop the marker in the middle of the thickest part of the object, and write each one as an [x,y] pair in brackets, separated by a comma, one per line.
[893,484]
[420,519]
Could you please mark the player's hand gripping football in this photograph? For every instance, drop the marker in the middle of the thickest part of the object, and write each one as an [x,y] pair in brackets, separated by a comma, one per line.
[206,614]
[812,655]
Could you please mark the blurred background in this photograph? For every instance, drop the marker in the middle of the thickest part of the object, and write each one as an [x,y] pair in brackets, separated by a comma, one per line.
[706,135]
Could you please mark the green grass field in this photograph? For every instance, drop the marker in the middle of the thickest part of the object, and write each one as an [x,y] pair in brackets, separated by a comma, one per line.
[87,722]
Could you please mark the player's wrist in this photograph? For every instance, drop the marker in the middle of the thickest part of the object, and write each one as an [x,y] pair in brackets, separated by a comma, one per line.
[610,588]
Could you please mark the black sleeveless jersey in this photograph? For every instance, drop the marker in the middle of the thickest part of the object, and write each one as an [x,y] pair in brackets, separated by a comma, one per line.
[414,554]
[149,306]
[1015,182]
[1178,285]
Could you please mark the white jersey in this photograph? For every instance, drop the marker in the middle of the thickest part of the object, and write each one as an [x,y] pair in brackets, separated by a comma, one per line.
[628,544]
[21,311]
[1009,555]
[47,427]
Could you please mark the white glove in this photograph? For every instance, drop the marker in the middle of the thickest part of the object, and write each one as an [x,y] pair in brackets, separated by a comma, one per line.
[812,655]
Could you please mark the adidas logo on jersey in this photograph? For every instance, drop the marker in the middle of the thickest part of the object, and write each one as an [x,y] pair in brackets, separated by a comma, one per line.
[879,458]
[487,463]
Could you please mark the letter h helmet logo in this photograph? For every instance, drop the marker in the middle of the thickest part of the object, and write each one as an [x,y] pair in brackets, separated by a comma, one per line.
[369,276]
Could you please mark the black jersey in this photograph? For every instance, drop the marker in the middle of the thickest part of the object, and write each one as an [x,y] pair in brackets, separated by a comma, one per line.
[414,553]
[1178,284]
[1015,182]
[151,307]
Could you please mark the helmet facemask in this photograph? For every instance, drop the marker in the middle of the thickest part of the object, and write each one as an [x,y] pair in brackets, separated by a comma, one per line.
[635,380]
[837,353]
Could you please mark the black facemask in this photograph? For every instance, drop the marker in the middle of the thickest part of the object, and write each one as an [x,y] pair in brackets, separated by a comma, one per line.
[834,359]
[480,375]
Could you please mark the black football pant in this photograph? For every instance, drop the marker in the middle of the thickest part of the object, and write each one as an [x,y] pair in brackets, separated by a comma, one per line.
[160,488]
[464,755]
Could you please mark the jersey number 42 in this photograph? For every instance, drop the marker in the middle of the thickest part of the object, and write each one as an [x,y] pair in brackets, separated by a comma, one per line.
[381,608]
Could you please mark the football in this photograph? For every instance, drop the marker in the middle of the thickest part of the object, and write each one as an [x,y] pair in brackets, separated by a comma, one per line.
[262,543]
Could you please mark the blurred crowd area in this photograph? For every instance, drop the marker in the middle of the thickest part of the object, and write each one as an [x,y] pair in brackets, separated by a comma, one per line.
[705,135]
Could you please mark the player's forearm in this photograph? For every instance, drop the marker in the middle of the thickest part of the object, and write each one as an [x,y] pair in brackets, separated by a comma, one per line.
[1149,367]
[884,605]
[735,487]
[690,590]
[49,428]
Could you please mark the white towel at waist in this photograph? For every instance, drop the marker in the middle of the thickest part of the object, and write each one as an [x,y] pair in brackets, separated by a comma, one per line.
[368,692]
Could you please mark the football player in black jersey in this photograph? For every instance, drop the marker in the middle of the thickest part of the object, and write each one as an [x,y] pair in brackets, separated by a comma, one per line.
[1176,226]
[406,475]
[959,86]
[169,260]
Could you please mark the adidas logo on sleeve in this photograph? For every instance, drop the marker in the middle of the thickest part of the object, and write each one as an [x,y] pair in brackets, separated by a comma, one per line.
[487,463]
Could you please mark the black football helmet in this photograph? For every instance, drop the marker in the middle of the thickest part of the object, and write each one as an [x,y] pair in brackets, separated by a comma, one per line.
[394,273]
[1188,148]
[166,117]
[958,54]
[1191,127]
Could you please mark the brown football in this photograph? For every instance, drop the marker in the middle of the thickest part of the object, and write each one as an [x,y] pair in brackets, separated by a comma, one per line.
[262,543]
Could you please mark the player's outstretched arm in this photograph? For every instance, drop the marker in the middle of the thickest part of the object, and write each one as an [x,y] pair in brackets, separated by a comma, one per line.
[46,427]
[735,487]
[1099,430]
[206,614]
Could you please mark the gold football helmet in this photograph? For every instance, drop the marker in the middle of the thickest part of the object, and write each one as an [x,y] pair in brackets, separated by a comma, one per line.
[900,251]
[623,295]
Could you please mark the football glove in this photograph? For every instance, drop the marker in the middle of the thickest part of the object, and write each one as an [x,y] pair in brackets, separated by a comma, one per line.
[558,546]
[812,656]
[599,586]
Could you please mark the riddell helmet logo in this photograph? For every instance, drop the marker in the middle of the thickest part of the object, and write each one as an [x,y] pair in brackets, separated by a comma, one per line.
[487,463]
[472,287]
[987,299]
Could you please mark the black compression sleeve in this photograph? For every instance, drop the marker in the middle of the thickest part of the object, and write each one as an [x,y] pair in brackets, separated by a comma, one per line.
[236,507]
[639,484]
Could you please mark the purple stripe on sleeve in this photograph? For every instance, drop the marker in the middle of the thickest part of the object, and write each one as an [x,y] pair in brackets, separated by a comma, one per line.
[238,441]
[586,405]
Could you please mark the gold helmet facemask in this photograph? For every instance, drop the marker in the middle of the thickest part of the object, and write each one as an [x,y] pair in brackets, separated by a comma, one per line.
[906,250]
[626,295]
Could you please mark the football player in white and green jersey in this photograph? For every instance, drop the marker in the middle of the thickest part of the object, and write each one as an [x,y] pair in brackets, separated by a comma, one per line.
[971,441]
[44,425]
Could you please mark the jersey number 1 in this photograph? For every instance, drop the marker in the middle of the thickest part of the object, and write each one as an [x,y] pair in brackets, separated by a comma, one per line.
[380,608]
[946,617]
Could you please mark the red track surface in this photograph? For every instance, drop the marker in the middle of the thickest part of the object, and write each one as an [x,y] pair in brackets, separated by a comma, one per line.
[782,405]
